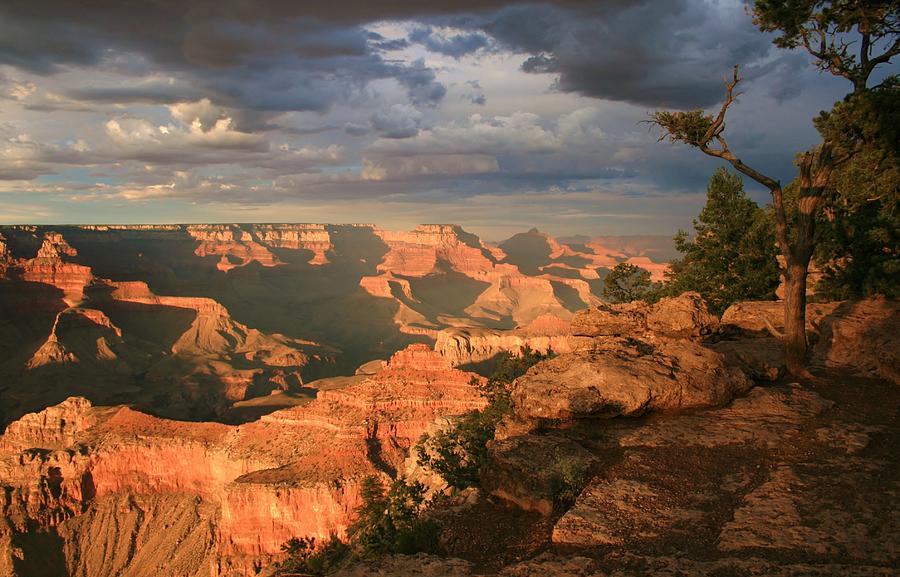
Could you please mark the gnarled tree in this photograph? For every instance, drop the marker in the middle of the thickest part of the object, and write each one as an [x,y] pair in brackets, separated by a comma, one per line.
[848,38]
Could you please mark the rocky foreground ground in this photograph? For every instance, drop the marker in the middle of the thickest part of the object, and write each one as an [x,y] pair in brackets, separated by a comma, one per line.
[787,479]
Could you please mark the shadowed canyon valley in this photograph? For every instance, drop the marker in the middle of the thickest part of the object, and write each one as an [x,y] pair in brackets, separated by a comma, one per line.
[185,399]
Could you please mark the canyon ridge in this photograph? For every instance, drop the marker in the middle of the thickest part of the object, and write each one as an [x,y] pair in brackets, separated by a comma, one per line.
[185,399]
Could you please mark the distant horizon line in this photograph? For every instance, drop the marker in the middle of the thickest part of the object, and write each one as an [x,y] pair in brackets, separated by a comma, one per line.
[526,229]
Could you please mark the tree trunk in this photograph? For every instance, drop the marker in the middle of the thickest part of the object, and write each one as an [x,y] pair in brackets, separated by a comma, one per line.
[795,343]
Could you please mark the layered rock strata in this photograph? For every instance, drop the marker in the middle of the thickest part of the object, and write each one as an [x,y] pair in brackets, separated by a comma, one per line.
[101,476]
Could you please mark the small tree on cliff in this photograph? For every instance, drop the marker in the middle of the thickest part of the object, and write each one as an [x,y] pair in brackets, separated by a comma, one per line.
[626,282]
[732,254]
[848,38]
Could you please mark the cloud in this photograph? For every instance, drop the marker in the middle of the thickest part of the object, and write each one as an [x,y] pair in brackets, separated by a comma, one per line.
[16,90]
[24,158]
[574,146]
[140,139]
[164,92]
[455,45]
[421,84]
[520,132]
[475,94]
[652,53]
[398,121]
[425,165]
[278,101]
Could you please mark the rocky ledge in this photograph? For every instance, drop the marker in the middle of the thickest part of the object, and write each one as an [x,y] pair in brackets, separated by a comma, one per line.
[679,466]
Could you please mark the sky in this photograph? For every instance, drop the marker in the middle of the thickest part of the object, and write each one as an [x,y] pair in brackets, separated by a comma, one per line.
[497,115]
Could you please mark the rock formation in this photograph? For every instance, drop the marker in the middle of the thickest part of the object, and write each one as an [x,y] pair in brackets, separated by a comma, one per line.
[100,477]
[49,267]
[630,359]
[467,346]
[857,337]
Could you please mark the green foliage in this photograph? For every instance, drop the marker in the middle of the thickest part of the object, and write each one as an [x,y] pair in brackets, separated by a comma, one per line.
[459,453]
[564,481]
[387,522]
[822,27]
[392,521]
[626,282]
[859,244]
[304,556]
[688,127]
[868,120]
[732,254]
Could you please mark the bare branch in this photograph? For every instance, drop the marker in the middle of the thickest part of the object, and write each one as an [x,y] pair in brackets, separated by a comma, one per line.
[718,124]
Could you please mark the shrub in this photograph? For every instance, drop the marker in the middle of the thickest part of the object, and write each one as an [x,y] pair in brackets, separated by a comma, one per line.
[392,521]
[459,453]
[305,557]
[564,481]
[387,522]
[627,282]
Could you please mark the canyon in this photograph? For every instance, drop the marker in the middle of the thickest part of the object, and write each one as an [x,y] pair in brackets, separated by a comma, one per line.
[184,399]
[186,321]
[90,473]
[184,378]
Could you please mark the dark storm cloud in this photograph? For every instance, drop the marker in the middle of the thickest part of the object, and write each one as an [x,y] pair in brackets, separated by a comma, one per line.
[289,55]
[457,45]
[274,56]
[653,53]
[153,94]
[40,36]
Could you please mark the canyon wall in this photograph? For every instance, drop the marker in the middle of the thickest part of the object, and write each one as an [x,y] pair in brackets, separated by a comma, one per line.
[94,476]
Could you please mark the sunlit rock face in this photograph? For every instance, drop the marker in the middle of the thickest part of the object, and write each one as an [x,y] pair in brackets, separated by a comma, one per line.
[51,267]
[164,378]
[254,486]
[627,360]
[462,346]
[238,245]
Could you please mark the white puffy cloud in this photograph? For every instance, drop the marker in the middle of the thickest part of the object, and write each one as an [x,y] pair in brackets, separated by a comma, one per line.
[473,146]
[146,139]
[24,158]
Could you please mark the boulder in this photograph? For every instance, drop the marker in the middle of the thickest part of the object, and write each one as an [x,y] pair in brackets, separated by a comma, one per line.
[553,565]
[757,316]
[685,316]
[862,336]
[762,359]
[420,565]
[611,320]
[621,378]
[859,337]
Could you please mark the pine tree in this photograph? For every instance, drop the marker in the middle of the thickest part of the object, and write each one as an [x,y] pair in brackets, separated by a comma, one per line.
[732,254]
[626,282]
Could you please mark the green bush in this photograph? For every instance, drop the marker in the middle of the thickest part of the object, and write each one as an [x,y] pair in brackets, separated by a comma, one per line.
[564,481]
[627,282]
[387,522]
[459,453]
[305,557]
[392,521]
